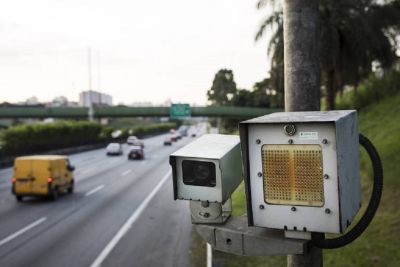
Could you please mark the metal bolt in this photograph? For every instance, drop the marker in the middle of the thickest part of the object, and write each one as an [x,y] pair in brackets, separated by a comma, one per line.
[293,209]
[290,141]
[205,204]
[324,141]
[206,215]
[259,174]
[258,141]
[326,176]
[327,211]
[261,207]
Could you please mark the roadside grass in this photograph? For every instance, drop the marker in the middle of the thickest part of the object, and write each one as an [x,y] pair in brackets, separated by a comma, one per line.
[379,245]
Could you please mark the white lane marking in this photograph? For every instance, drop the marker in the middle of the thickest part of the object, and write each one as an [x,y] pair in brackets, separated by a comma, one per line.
[127,225]
[23,230]
[126,172]
[209,255]
[94,190]
[87,170]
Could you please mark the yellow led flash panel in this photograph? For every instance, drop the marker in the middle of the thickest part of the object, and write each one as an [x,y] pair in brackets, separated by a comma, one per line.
[293,175]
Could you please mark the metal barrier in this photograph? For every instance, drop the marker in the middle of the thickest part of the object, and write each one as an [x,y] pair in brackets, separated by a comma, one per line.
[107,112]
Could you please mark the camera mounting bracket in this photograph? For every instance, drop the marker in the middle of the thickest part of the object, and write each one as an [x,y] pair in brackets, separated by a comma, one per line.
[210,212]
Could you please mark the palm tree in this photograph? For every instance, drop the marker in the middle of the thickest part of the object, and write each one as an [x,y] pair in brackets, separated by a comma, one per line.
[354,34]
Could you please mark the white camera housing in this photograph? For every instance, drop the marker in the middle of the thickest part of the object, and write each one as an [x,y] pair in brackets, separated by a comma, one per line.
[221,155]
[301,170]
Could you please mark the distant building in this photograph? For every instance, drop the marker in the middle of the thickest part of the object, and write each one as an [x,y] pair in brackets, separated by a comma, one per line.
[62,102]
[32,101]
[59,101]
[95,98]
[141,104]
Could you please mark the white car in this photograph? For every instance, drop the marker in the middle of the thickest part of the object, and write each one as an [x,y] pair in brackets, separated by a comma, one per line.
[168,140]
[134,141]
[114,149]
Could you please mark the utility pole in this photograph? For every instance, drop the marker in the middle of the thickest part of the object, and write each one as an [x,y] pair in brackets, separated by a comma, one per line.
[301,32]
[90,111]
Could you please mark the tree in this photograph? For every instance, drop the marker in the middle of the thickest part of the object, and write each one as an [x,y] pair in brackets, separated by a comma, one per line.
[243,98]
[267,95]
[354,35]
[223,88]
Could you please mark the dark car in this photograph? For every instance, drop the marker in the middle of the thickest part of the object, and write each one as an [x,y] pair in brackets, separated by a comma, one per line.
[136,152]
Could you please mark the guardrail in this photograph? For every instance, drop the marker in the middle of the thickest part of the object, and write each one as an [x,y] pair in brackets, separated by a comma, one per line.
[112,112]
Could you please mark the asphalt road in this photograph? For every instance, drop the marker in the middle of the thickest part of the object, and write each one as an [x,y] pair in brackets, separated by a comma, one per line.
[121,214]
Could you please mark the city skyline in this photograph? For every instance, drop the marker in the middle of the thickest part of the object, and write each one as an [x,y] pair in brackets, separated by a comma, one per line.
[141,52]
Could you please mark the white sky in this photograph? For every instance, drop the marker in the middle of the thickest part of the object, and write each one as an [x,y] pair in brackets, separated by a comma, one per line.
[148,50]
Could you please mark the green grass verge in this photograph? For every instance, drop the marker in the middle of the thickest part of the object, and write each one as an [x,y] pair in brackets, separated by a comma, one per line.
[379,245]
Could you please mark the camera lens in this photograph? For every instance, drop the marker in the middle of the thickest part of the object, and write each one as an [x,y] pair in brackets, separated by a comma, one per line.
[200,173]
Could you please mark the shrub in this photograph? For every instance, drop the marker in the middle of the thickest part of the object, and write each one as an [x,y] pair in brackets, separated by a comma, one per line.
[35,138]
[371,90]
[40,137]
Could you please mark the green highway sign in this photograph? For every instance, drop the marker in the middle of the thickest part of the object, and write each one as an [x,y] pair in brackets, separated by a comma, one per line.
[179,111]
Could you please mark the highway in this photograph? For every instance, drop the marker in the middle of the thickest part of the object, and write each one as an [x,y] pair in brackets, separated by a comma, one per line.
[122,213]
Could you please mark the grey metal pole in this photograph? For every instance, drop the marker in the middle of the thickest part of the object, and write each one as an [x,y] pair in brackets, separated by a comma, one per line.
[219,123]
[312,258]
[90,110]
[301,31]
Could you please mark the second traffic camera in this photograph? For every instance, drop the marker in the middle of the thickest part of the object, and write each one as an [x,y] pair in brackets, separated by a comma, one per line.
[208,169]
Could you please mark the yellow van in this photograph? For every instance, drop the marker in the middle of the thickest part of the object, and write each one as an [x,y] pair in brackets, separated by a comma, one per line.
[45,175]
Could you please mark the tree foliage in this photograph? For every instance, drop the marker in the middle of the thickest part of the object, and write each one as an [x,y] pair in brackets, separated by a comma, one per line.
[223,88]
[263,94]
[354,35]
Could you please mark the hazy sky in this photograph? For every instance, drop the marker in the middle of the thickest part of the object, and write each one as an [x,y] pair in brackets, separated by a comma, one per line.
[141,50]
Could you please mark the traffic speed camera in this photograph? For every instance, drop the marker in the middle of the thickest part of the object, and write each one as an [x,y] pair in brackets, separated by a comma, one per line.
[207,171]
[301,170]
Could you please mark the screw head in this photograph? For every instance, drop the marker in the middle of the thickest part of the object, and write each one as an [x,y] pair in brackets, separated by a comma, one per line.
[327,211]
[290,141]
[293,209]
[206,215]
[324,141]
[259,174]
[205,204]
[326,176]
[258,141]
[261,207]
